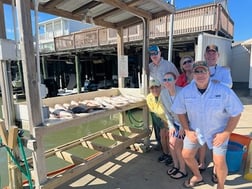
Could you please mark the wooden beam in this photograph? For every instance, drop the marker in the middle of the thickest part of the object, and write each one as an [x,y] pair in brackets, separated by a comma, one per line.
[2,23]
[107,14]
[31,86]
[87,6]
[12,138]
[52,4]
[70,157]
[94,146]
[166,6]
[128,22]
[136,3]
[115,137]
[133,10]
[3,133]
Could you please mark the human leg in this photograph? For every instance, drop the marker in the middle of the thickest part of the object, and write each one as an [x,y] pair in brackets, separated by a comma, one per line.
[188,153]
[163,137]
[202,157]
[220,165]
[181,173]
[156,128]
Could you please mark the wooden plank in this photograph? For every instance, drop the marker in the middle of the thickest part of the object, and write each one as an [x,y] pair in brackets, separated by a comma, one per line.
[2,23]
[79,169]
[79,97]
[130,129]
[12,138]
[70,157]
[94,146]
[115,137]
[30,75]
[3,133]
[56,125]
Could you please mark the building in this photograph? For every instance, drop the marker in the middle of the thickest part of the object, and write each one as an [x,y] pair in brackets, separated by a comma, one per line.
[95,48]
[56,27]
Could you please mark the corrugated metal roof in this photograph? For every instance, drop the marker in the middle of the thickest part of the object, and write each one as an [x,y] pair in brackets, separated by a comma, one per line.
[108,13]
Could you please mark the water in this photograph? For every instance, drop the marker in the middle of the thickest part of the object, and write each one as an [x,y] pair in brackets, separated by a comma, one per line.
[64,136]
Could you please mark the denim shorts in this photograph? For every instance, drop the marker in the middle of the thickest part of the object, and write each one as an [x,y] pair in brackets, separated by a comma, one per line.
[176,134]
[220,150]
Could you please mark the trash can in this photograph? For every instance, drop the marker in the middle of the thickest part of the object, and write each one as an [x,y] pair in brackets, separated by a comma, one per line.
[234,156]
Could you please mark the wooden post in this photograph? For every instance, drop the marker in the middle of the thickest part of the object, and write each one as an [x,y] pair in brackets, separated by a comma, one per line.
[15,176]
[2,23]
[78,74]
[44,67]
[31,87]
[145,77]
[120,51]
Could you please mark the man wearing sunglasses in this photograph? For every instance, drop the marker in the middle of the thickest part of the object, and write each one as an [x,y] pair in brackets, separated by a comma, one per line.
[208,112]
[159,66]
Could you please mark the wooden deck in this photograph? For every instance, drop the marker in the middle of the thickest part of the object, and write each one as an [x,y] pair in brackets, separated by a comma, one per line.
[211,18]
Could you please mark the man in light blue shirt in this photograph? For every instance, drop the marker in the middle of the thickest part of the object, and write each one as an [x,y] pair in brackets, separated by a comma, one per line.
[159,66]
[213,110]
[217,73]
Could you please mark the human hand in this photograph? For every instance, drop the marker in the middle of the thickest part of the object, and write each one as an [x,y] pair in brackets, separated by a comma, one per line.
[172,132]
[181,133]
[220,138]
[192,136]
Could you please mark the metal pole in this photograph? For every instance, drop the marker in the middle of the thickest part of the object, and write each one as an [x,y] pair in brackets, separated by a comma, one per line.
[171,34]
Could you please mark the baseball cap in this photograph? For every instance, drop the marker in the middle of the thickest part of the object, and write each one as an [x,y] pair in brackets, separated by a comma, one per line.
[211,48]
[200,64]
[154,82]
[154,48]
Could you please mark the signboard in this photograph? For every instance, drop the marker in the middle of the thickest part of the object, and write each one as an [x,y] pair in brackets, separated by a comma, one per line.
[122,66]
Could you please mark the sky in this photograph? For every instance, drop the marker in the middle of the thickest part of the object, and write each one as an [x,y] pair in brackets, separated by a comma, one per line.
[239,10]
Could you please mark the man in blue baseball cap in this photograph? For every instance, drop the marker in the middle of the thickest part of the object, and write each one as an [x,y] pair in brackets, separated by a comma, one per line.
[159,66]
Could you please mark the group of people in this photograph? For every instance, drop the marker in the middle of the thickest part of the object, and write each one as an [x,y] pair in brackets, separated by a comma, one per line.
[192,112]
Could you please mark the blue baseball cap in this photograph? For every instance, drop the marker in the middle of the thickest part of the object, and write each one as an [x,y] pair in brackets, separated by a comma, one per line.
[154,48]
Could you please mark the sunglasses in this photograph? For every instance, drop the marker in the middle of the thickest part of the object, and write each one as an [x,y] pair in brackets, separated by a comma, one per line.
[154,53]
[187,62]
[197,72]
[169,79]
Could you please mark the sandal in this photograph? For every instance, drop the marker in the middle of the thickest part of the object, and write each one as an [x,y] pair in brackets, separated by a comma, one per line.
[172,171]
[178,175]
[214,178]
[189,184]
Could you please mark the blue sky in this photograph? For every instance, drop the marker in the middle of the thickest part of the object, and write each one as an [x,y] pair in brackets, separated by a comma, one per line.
[239,11]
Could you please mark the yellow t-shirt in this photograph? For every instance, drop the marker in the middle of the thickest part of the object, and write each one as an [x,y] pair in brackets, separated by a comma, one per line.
[156,106]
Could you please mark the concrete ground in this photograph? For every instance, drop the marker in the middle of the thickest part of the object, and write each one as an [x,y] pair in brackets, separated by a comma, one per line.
[136,170]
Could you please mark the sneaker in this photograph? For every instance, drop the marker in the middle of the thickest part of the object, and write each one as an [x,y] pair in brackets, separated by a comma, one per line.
[163,158]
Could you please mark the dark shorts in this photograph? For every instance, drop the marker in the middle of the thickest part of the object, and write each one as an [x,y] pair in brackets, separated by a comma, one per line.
[176,134]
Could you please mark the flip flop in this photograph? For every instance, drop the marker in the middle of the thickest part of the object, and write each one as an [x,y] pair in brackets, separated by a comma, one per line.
[214,178]
[178,175]
[171,171]
[189,184]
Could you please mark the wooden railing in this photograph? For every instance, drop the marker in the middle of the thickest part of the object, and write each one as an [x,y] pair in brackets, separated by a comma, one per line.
[206,18]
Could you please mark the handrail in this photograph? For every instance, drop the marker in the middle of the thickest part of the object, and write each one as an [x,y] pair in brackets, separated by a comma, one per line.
[194,20]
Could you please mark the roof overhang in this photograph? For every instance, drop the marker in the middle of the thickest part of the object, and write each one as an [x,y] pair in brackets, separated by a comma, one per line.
[108,13]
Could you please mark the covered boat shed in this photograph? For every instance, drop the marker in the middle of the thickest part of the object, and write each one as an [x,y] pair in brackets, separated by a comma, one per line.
[109,13]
